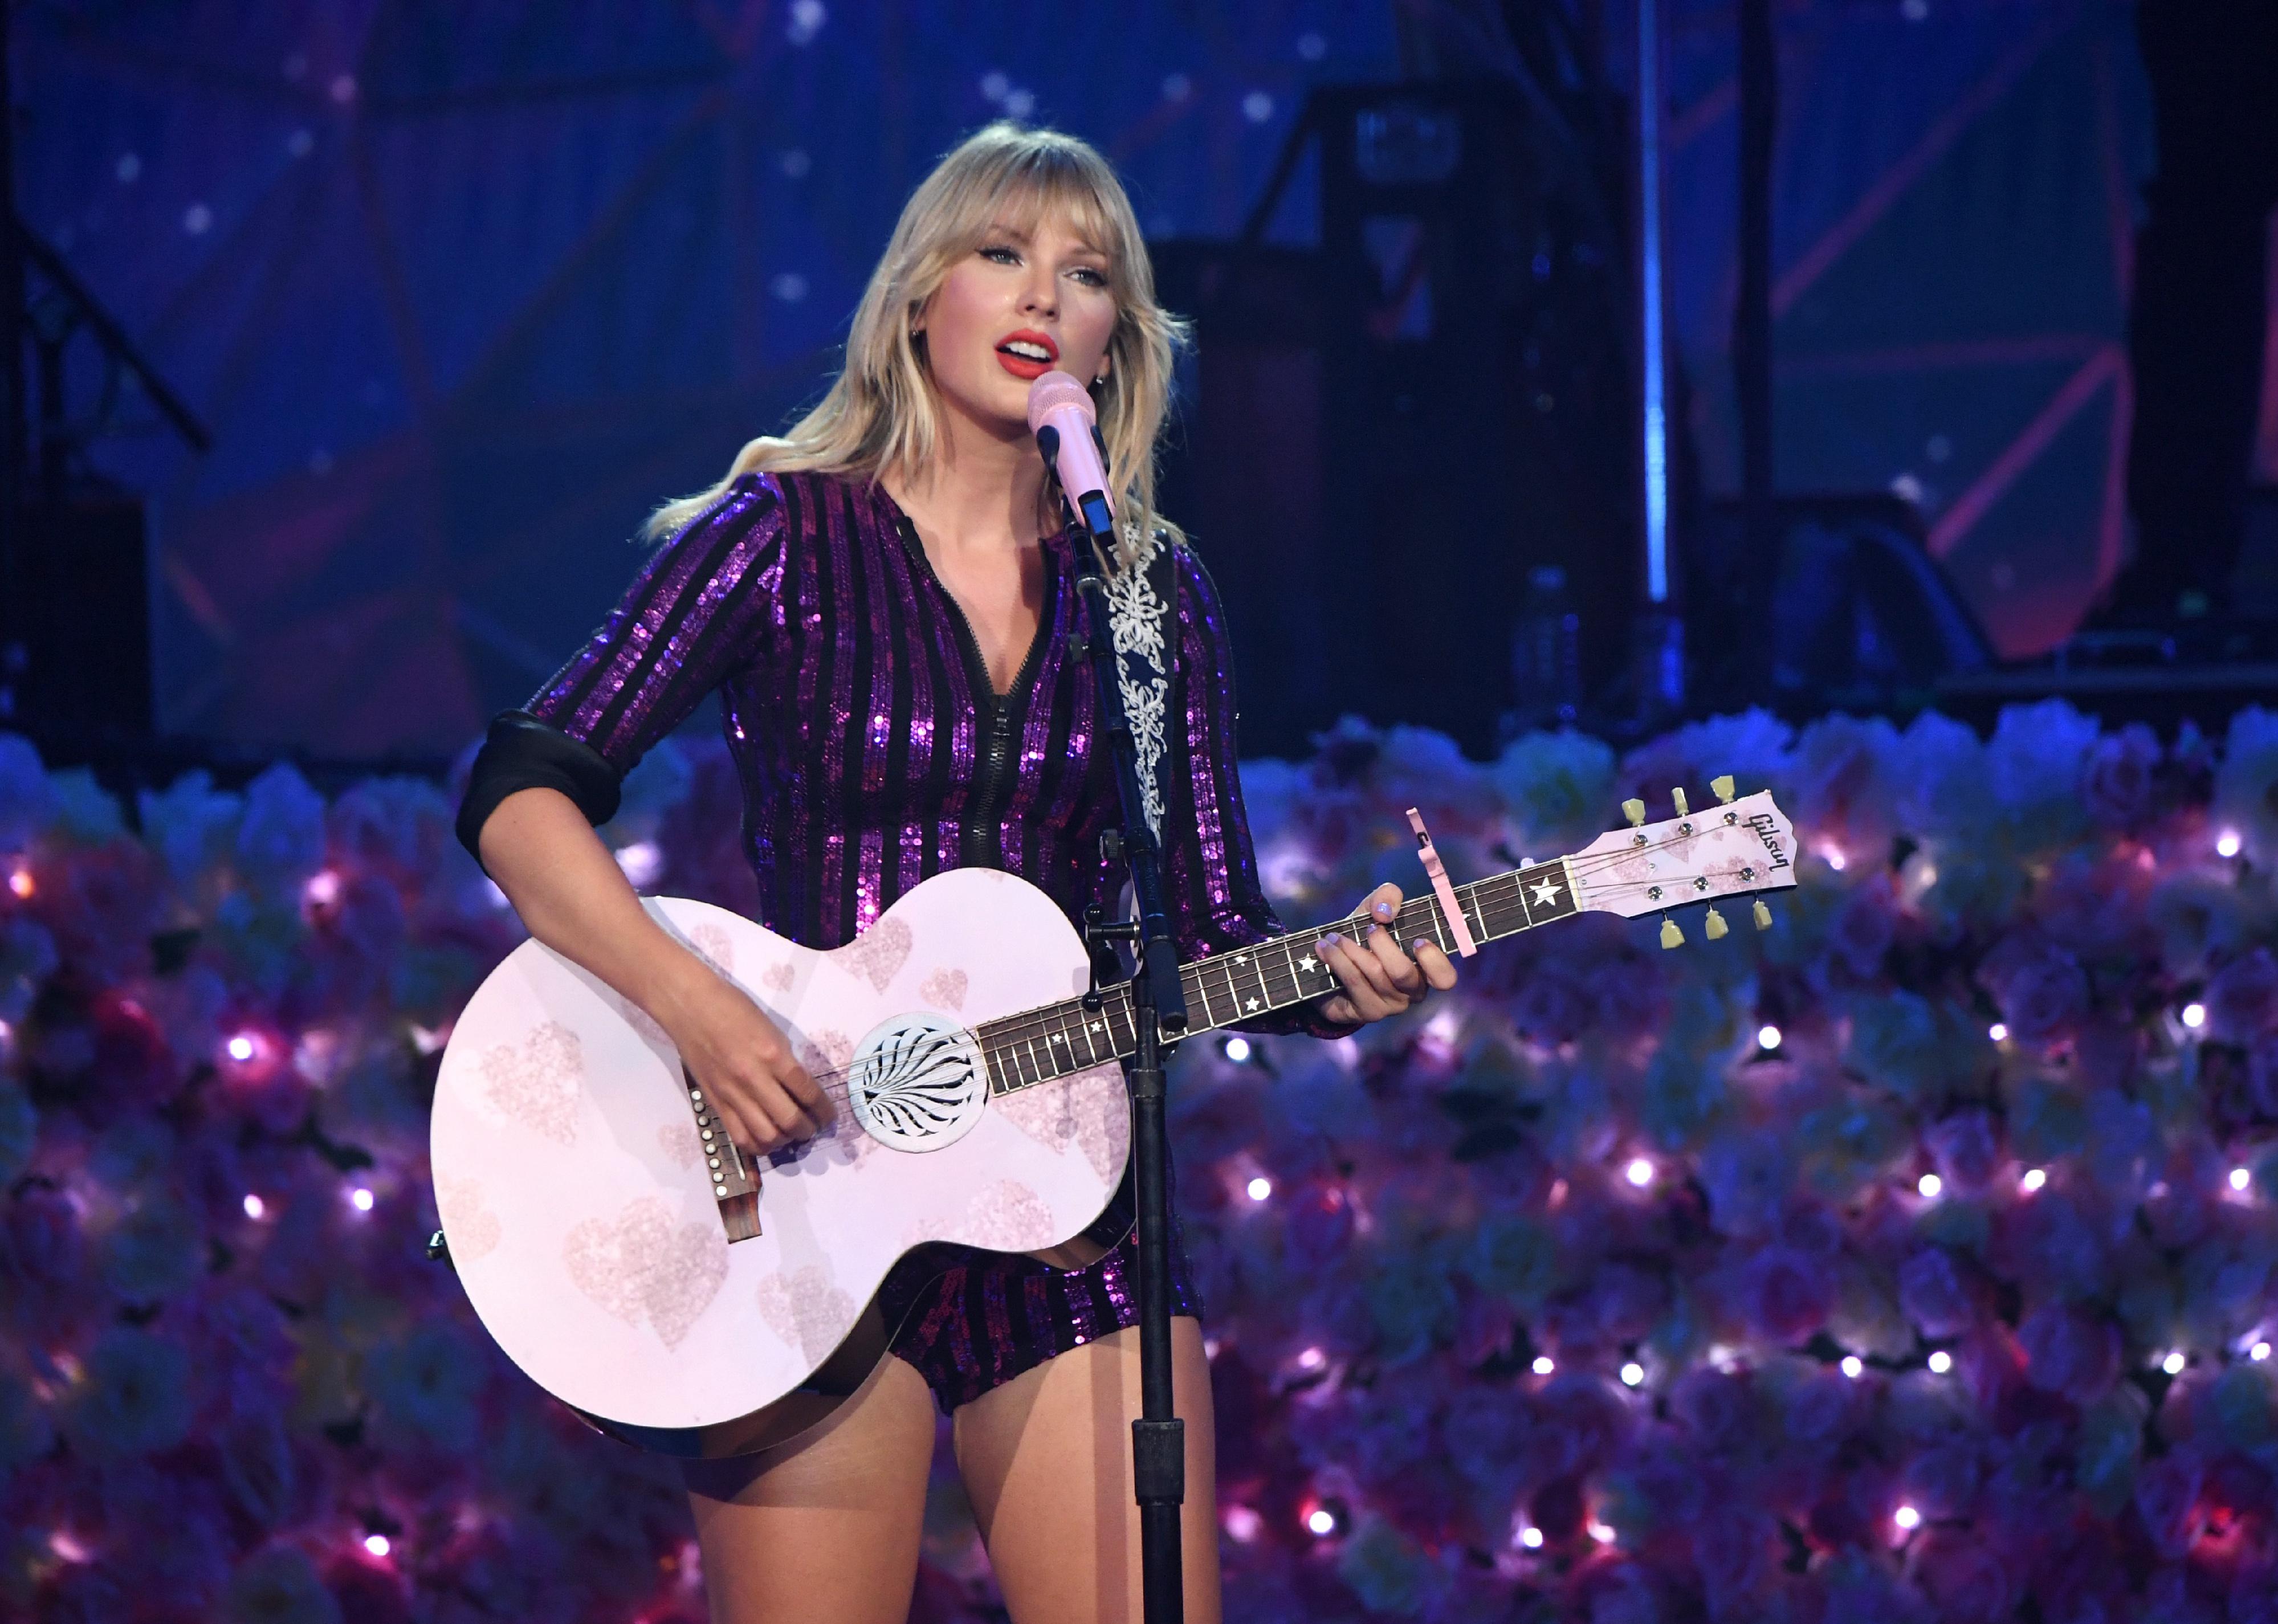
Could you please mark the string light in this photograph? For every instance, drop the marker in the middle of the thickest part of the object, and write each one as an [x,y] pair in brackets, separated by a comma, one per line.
[1238,1049]
[360,1199]
[1530,1537]
[1259,1187]
[2195,1016]
[2227,843]
[21,882]
[1907,1518]
[1543,1365]
[1940,1363]
[376,1544]
[1311,1359]
[1633,1373]
[2034,1180]
[1602,1533]
[240,1047]
[1998,1032]
[1767,1036]
[254,1207]
[2174,1363]
[1854,1366]
[1641,1172]
[323,889]
[1321,1521]
[1930,1184]
[1836,860]
[1243,1523]
[2242,1179]
[2259,1352]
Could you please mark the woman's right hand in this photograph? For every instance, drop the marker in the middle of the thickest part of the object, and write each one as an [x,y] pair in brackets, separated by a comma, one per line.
[766,1098]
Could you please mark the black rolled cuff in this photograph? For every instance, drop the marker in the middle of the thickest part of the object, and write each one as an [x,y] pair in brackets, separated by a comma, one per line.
[522,752]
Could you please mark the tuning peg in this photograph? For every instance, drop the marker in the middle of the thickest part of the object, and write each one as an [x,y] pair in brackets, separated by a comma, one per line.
[1670,936]
[1764,915]
[1714,926]
[1634,810]
[1722,786]
[1679,796]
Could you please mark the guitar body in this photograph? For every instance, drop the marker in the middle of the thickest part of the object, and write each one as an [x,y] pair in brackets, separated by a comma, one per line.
[573,1188]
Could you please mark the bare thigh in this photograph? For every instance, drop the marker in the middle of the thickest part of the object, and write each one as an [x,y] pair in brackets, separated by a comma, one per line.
[1046,1459]
[825,1531]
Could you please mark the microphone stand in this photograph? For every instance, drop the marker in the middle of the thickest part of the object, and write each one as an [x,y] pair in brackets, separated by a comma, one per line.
[1159,1008]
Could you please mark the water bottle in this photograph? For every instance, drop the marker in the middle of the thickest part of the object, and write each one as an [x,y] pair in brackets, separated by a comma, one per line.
[1546,654]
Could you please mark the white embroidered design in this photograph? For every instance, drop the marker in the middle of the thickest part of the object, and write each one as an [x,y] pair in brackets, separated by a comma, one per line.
[1134,618]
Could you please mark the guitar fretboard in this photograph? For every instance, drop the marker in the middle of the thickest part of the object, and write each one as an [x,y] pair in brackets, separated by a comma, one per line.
[1059,1040]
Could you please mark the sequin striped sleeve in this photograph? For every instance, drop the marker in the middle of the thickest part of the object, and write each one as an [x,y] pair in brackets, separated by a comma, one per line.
[696,612]
[697,609]
[1210,869]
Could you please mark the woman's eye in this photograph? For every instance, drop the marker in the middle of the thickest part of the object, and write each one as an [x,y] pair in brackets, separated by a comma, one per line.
[1003,257]
[1089,278]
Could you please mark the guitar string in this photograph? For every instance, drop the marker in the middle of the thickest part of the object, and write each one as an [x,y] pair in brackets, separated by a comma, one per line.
[1028,1026]
[1490,896]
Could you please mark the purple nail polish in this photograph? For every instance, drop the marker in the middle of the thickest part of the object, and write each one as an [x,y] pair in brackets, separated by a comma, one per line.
[1330,940]
[1417,946]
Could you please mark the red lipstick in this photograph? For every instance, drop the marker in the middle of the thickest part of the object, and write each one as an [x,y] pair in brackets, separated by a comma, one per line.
[1027,367]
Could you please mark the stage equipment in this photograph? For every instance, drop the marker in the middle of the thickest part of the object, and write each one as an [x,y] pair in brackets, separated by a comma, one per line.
[74,606]
[1067,427]
[635,1264]
[1657,637]
[1131,673]
[1858,614]
[1454,370]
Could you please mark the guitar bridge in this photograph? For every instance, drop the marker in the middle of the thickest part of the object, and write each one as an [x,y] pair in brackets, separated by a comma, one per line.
[735,1186]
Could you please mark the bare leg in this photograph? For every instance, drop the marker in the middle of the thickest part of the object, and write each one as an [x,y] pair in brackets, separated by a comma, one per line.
[1047,1461]
[825,1531]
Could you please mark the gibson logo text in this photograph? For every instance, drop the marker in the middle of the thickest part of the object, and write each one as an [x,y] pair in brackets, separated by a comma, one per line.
[1762,823]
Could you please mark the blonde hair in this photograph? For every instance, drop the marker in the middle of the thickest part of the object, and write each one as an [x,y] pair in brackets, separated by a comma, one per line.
[881,414]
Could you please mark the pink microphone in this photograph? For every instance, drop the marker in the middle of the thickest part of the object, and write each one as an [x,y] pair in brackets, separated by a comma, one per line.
[1061,407]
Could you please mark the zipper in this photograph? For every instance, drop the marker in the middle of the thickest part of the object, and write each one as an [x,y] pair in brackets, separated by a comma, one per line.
[978,845]
[977,842]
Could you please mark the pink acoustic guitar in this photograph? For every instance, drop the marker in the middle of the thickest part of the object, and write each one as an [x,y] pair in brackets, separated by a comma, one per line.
[636,1266]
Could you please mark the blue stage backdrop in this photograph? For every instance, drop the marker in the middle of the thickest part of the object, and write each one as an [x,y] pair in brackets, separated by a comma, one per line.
[464,290]
[1908,1263]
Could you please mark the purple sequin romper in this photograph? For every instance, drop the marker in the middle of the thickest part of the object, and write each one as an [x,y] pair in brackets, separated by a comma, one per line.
[872,753]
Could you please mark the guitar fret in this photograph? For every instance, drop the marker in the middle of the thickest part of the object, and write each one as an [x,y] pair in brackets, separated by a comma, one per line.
[1198,991]
[1249,982]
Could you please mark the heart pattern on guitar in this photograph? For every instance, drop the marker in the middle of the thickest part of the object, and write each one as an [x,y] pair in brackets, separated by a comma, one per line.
[537,1082]
[806,1311]
[638,1266]
[944,990]
[878,954]
[475,1229]
[1008,1216]
[1089,1111]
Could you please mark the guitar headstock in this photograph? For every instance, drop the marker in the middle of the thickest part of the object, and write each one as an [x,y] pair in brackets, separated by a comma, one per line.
[1738,848]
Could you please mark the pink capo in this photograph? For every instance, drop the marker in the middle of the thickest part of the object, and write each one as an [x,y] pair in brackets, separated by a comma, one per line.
[1448,907]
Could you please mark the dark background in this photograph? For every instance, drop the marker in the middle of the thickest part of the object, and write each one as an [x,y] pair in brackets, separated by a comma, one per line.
[462,291]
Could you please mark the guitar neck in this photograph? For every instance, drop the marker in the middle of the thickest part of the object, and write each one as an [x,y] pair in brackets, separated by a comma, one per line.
[1059,1040]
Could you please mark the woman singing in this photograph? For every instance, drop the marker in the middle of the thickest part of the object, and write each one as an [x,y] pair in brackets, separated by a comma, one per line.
[884,599]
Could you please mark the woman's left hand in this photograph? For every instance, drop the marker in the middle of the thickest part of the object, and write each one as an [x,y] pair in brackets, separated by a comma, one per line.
[1380,977]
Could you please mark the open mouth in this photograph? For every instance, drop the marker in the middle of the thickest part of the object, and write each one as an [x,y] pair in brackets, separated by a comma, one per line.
[1028,354]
